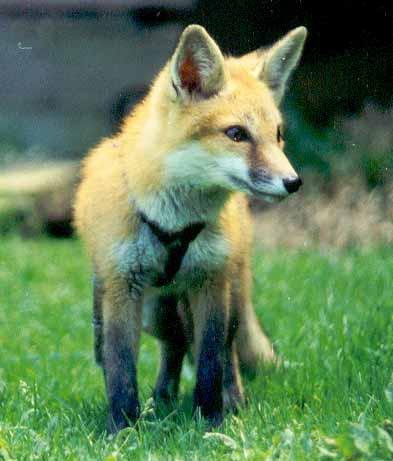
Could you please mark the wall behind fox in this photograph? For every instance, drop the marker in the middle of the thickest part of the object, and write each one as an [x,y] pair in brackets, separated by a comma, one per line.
[70,70]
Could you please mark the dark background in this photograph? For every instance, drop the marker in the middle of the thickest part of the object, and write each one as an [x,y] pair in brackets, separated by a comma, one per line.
[70,70]
[348,56]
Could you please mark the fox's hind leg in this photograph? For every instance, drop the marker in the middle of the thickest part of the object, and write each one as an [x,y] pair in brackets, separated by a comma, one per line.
[168,328]
[253,346]
[233,396]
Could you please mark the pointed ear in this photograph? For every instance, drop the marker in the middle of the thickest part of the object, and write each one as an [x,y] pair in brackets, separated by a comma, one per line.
[280,60]
[197,66]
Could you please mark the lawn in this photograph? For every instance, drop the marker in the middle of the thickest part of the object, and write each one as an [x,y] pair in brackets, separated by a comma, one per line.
[328,313]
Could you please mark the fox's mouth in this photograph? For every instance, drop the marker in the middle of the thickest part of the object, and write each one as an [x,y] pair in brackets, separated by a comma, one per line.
[244,186]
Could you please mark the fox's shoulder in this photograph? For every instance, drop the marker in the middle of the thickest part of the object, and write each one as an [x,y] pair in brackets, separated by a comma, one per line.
[237,224]
[103,208]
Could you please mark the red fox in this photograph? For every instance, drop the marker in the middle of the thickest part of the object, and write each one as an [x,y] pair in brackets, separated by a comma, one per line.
[162,208]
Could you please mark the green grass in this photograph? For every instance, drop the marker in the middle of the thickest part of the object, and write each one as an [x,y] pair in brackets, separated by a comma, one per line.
[329,314]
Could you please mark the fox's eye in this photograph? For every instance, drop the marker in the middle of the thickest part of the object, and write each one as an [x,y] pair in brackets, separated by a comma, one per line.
[237,134]
[279,134]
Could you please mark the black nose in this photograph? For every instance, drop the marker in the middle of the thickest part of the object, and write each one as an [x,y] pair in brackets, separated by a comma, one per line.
[292,184]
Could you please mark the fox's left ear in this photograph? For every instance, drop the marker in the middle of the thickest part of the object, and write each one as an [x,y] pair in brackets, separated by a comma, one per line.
[280,60]
[197,66]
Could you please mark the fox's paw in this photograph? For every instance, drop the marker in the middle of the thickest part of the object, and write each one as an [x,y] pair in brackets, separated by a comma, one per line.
[233,399]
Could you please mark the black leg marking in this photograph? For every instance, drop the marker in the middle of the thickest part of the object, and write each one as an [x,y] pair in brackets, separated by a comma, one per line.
[120,377]
[98,293]
[209,382]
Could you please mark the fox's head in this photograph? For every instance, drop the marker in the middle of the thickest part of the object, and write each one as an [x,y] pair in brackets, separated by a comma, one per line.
[220,124]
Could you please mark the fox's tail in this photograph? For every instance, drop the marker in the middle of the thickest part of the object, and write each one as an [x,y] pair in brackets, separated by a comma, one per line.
[253,347]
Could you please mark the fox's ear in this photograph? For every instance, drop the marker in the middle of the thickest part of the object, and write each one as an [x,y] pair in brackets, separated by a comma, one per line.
[197,66]
[280,60]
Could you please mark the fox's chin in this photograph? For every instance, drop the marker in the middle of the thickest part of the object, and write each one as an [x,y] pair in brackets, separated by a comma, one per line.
[256,193]
[270,198]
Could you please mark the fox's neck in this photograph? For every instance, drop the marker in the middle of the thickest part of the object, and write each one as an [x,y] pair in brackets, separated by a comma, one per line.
[179,206]
[169,186]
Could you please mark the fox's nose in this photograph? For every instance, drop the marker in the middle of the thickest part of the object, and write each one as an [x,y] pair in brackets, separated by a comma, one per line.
[292,184]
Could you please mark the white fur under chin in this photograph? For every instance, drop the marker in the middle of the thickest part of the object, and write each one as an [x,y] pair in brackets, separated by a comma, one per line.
[179,206]
[197,185]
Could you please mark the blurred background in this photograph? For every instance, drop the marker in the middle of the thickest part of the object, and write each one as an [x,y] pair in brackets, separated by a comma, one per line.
[71,70]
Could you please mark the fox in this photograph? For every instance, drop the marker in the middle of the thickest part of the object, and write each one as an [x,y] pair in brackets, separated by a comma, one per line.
[162,208]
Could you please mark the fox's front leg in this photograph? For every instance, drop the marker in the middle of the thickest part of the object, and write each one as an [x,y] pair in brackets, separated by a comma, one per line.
[98,294]
[121,325]
[209,311]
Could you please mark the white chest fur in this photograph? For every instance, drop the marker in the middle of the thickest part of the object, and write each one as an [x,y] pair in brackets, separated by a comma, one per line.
[206,254]
[172,210]
[143,258]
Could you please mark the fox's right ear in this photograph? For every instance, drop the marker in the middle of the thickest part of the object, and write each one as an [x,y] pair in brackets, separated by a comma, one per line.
[197,66]
[274,65]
